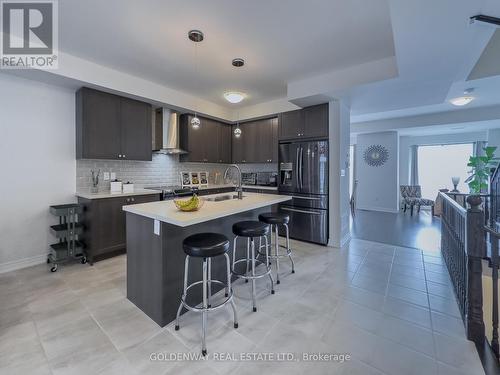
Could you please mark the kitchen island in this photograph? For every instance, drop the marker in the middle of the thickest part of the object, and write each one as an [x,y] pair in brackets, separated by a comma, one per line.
[155,258]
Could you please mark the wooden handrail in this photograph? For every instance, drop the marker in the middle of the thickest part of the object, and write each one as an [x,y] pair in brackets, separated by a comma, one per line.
[491,231]
[454,203]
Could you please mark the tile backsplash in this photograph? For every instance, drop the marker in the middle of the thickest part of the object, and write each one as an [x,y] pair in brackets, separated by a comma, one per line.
[162,170]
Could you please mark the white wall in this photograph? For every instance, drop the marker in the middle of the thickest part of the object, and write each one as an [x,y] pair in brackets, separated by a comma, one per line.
[407,141]
[37,150]
[339,122]
[378,187]
[493,137]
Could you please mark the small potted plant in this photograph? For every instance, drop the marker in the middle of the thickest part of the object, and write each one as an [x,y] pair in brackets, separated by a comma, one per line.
[480,174]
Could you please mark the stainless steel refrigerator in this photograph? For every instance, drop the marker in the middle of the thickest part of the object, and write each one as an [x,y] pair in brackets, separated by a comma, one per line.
[303,174]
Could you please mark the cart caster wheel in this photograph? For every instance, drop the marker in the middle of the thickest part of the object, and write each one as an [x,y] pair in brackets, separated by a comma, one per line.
[177,328]
[204,353]
[54,268]
[48,260]
[293,271]
[235,325]
[254,309]
[83,260]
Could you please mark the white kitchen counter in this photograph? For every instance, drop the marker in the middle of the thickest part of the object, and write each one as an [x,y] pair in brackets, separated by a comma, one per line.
[107,194]
[166,211]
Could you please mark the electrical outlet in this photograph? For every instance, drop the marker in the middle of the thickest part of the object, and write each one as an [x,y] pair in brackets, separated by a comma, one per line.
[106,176]
[113,176]
[342,173]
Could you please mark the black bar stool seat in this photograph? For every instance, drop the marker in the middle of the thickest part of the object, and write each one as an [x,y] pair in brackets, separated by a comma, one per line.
[250,229]
[206,245]
[274,218]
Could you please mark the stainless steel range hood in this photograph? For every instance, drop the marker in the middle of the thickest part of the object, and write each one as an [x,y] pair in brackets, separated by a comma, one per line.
[166,132]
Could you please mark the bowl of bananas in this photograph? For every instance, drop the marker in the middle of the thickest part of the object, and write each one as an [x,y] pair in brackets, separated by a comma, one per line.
[192,204]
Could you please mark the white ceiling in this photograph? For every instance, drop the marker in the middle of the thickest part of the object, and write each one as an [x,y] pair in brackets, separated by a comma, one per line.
[436,49]
[281,41]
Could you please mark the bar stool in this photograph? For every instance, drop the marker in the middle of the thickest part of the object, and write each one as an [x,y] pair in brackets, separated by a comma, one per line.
[252,230]
[206,246]
[274,219]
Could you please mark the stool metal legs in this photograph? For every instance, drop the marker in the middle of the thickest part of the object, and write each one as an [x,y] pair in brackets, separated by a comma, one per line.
[207,291]
[205,307]
[277,246]
[251,259]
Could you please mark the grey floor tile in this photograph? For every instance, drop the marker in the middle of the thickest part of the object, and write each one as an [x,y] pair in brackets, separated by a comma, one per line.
[458,353]
[335,303]
[408,282]
[408,311]
[444,305]
[394,359]
[440,290]
[447,325]
[408,334]
[408,295]
[110,318]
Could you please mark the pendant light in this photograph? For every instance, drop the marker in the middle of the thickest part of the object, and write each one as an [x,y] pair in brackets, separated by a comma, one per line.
[195,36]
[236,97]
[237,129]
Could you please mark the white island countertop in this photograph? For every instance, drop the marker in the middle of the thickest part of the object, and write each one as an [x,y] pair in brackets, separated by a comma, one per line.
[167,212]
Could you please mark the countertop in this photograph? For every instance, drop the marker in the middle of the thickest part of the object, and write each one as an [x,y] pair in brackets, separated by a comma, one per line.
[107,194]
[166,211]
[144,191]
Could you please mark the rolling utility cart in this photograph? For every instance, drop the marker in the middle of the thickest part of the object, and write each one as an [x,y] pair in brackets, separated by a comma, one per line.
[67,231]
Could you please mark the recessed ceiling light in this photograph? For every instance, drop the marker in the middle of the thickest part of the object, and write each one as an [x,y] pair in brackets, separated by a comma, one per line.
[234,97]
[462,100]
[238,62]
[196,36]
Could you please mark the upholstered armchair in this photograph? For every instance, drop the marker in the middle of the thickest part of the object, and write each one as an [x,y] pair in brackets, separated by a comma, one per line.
[412,196]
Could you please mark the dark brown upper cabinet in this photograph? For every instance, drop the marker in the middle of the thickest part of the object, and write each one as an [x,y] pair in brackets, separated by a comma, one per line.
[224,143]
[258,142]
[309,122]
[112,127]
[210,143]
[291,124]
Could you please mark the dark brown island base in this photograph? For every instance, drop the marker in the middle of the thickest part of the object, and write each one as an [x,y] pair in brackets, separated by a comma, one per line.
[155,258]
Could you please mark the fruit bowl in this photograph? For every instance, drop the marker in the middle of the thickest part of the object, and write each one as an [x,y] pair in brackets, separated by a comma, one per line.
[187,205]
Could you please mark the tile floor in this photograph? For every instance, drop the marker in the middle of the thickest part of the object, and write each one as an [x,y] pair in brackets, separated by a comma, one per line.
[390,308]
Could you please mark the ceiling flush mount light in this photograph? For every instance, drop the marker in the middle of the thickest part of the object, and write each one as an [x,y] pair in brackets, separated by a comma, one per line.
[463,100]
[238,62]
[234,97]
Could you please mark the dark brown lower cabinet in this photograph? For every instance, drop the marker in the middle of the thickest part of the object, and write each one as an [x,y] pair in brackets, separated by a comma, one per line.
[104,224]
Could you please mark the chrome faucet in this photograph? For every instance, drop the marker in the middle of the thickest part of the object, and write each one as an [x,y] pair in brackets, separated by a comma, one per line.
[239,189]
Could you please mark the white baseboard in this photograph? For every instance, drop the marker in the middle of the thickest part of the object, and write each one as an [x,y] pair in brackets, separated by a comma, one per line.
[345,240]
[22,263]
[381,209]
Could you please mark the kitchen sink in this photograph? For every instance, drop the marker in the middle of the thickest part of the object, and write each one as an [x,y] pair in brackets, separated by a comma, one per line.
[221,198]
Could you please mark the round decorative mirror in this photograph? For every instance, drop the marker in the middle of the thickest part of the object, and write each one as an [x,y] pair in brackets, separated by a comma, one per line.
[376,155]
